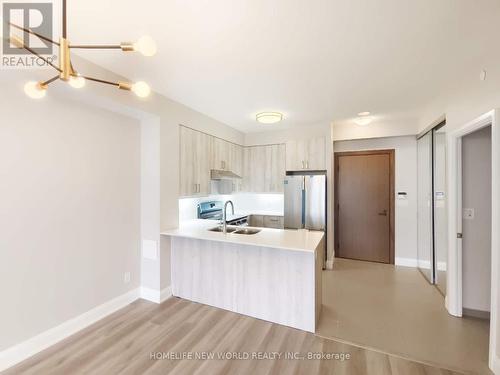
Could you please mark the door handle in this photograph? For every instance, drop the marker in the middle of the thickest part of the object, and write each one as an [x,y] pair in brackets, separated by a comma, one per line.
[383,213]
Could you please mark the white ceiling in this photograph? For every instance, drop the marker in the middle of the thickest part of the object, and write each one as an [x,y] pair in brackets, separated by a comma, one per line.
[316,61]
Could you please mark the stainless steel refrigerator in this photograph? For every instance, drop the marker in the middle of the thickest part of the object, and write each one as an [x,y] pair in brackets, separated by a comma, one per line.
[305,202]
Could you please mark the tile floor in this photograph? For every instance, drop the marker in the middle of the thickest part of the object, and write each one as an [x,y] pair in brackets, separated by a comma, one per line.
[394,310]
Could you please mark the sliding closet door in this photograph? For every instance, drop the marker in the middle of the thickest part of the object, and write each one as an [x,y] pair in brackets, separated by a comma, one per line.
[440,211]
[425,255]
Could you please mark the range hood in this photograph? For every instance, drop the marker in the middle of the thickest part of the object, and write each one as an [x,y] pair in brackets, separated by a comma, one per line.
[219,174]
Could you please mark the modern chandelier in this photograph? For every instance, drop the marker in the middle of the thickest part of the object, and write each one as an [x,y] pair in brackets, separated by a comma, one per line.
[67,73]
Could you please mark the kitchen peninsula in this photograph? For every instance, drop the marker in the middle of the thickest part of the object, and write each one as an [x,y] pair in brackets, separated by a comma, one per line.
[274,274]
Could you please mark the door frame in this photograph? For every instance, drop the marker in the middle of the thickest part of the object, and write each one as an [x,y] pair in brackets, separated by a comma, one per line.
[391,153]
[453,301]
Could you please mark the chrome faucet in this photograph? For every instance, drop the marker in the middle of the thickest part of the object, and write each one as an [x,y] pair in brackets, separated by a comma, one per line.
[224,215]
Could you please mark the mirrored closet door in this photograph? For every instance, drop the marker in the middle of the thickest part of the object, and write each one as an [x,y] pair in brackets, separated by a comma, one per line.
[431,206]
[440,209]
[425,247]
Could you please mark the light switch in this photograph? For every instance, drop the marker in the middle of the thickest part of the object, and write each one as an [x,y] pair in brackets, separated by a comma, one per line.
[468,213]
[150,249]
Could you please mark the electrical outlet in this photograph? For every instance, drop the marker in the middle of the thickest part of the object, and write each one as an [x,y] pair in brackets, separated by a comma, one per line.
[126,277]
[468,213]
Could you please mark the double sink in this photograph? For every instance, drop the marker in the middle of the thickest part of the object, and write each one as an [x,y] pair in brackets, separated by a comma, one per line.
[235,230]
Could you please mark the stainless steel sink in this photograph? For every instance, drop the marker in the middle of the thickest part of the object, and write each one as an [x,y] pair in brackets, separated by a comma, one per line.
[247,231]
[220,229]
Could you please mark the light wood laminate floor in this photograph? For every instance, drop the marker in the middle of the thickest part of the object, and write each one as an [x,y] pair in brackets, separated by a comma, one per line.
[395,310]
[122,344]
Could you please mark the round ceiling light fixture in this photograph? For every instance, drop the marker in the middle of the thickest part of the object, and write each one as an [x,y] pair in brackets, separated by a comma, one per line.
[269,117]
[363,118]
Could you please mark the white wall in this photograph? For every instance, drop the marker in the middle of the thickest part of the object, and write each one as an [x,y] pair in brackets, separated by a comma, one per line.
[71,224]
[150,203]
[69,210]
[476,243]
[170,115]
[405,180]
[395,126]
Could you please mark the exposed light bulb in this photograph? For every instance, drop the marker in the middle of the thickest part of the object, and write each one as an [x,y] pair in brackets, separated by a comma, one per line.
[145,45]
[141,89]
[35,90]
[76,81]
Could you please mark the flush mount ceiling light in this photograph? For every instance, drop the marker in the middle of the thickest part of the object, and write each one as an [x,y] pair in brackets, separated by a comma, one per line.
[363,118]
[269,117]
[67,73]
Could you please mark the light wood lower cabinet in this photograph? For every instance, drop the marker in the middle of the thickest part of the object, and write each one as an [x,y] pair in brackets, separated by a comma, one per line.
[273,222]
[266,221]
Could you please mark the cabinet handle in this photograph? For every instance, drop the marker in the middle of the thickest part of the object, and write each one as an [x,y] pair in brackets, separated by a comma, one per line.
[302,164]
[307,164]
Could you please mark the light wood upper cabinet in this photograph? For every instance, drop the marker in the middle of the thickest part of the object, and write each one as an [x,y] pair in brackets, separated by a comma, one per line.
[236,159]
[306,154]
[264,168]
[226,156]
[221,154]
[195,148]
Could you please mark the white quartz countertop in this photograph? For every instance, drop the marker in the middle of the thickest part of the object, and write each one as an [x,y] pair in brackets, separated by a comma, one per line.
[287,239]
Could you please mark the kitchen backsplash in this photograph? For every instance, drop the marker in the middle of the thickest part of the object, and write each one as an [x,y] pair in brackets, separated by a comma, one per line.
[243,202]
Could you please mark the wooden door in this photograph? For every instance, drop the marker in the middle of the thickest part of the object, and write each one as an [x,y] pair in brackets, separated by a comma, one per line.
[364,209]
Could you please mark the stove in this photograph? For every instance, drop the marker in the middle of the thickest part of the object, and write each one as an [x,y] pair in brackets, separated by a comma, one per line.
[212,210]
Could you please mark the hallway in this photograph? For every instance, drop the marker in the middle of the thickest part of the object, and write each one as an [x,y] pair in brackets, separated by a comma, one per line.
[394,310]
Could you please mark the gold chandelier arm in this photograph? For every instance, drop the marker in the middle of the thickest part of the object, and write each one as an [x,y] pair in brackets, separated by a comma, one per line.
[29,31]
[98,80]
[90,46]
[64,20]
[49,81]
[20,44]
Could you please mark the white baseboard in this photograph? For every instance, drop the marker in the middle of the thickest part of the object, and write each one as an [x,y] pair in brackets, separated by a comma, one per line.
[156,296]
[495,364]
[411,262]
[30,347]
[405,262]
